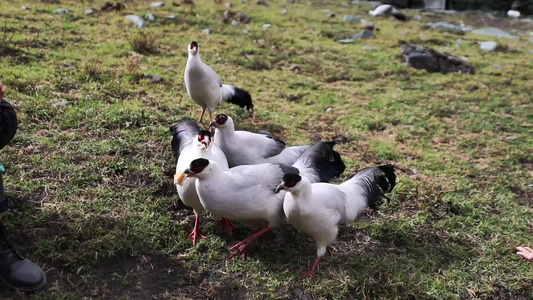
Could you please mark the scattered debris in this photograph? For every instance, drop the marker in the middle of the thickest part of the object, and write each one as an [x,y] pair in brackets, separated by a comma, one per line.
[491,31]
[138,21]
[154,78]
[365,34]
[488,46]
[434,61]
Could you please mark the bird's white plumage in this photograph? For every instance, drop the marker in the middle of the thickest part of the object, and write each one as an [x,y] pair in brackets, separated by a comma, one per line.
[247,148]
[202,83]
[386,10]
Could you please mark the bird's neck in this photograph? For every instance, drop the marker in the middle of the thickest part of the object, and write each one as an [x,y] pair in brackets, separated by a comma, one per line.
[226,135]
[194,59]
[302,196]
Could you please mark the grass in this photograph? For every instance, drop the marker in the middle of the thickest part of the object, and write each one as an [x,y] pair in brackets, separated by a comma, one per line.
[91,180]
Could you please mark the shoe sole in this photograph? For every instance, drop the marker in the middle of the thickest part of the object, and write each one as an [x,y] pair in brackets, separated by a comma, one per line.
[27,289]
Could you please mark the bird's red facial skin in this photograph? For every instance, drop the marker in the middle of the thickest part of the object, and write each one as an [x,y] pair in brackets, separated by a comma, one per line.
[197,168]
[204,139]
[192,46]
[289,184]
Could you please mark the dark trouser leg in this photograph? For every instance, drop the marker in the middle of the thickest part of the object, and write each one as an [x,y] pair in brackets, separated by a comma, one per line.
[3,200]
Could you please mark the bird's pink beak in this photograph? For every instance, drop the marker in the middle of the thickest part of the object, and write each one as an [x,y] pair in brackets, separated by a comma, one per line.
[205,142]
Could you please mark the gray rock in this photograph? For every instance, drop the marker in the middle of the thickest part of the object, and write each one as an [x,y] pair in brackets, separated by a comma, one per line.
[246,31]
[331,15]
[491,31]
[410,127]
[171,17]
[351,19]
[266,26]
[293,68]
[497,67]
[157,4]
[154,78]
[241,41]
[531,40]
[448,27]
[261,2]
[434,61]
[207,31]
[242,17]
[61,11]
[290,1]
[488,46]
[365,34]
[284,12]
[90,12]
[234,23]
[56,1]
[26,8]
[62,103]
[367,24]
[228,5]
[136,20]
[346,41]
[150,17]
[227,14]
[512,138]
[329,109]
[531,51]
[370,48]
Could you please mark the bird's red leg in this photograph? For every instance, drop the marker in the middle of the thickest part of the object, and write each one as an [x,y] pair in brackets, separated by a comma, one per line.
[228,225]
[329,249]
[242,246]
[201,116]
[195,233]
[311,273]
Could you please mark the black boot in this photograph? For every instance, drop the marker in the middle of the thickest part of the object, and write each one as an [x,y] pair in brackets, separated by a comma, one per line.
[16,271]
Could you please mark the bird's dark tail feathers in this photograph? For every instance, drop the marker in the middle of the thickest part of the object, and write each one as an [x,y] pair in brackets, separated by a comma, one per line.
[183,132]
[400,16]
[240,97]
[376,181]
[320,163]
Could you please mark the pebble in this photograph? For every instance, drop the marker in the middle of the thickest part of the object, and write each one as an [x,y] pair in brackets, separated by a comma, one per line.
[234,23]
[26,8]
[284,12]
[512,138]
[488,46]
[90,12]
[61,11]
[329,109]
[157,4]
[206,31]
[266,26]
[351,19]
[171,17]
[136,20]
[228,5]
[346,41]
[150,17]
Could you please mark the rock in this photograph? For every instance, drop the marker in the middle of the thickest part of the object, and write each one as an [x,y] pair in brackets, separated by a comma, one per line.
[262,2]
[351,19]
[154,78]
[284,12]
[367,24]
[207,31]
[171,17]
[491,31]
[90,12]
[246,31]
[329,109]
[157,4]
[473,88]
[317,137]
[150,17]
[345,5]
[242,41]
[234,23]
[497,67]
[369,48]
[290,1]
[62,11]
[513,13]
[26,8]
[175,4]
[434,61]
[346,41]
[56,1]
[512,138]
[448,27]
[530,51]
[507,82]
[266,26]
[365,34]
[227,14]
[410,127]
[69,65]
[293,68]
[136,20]
[62,103]
[228,5]
[331,15]
[340,139]
[109,6]
[488,46]
[242,17]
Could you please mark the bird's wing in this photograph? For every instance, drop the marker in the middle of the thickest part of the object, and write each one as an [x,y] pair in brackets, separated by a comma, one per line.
[8,123]
[330,198]
[183,133]
[267,145]
[266,175]
[288,156]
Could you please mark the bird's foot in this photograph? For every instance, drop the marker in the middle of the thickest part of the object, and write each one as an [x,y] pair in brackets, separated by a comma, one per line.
[329,250]
[307,274]
[228,225]
[241,248]
[195,235]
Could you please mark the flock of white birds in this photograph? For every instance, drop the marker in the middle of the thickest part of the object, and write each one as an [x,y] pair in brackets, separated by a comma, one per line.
[255,178]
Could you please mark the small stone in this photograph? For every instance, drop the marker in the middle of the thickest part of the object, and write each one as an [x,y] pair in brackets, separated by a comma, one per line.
[261,2]
[246,31]
[206,31]
[227,14]
[410,127]
[512,138]
[346,41]
[448,27]
[351,19]
[243,18]
[228,5]
[26,8]
[61,11]
[345,5]
[290,1]
[234,23]
[365,34]
[293,68]
[284,12]
[241,40]
[154,78]
[175,4]
[150,17]
[331,15]
[491,31]
[507,82]
[531,51]
[62,103]
[157,4]
[56,1]
[317,137]
[473,88]
[90,12]
[488,46]
[69,65]
[497,67]
[171,17]
[340,139]
[367,24]
[136,20]
[329,109]
[369,48]
[266,26]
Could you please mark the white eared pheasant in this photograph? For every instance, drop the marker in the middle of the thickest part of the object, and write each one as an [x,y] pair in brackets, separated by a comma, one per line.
[317,209]
[188,144]
[388,10]
[247,193]
[248,148]
[205,87]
